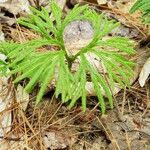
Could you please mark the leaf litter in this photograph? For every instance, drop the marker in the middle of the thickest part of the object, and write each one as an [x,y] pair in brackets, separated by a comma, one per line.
[52,126]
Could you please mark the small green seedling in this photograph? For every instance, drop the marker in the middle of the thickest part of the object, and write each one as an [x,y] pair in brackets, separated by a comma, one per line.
[26,62]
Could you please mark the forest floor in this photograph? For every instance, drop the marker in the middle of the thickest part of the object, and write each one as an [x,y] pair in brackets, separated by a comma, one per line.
[51,125]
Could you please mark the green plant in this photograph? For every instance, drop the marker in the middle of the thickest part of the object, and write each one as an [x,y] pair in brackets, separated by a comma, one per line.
[40,67]
[144,6]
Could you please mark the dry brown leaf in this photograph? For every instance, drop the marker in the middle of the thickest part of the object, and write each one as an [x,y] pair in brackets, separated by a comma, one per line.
[6,19]
[13,144]
[22,97]
[3,1]
[123,5]
[145,72]
[6,99]
[91,92]
[101,2]
[1,36]
[15,6]
[56,140]
[61,3]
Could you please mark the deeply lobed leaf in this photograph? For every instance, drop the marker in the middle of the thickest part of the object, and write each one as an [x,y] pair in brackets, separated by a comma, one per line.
[47,67]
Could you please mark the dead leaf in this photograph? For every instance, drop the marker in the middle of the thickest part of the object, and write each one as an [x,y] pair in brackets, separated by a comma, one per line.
[13,143]
[5,117]
[98,144]
[56,140]
[61,3]
[145,72]
[123,5]
[16,6]
[2,36]
[3,1]
[4,145]
[6,99]
[6,19]
[101,2]
[22,97]
[91,92]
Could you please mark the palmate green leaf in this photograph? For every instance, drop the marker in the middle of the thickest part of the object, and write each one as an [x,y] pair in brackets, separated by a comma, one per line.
[102,28]
[49,75]
[74,14]
[3,67]
[44,68]
[140,5]
[57,13]
[123,72]
[98,93]
[97,77]
[78,88]
[44,65]
[117,59]
[101,25]
[26,63]
[82,75]
[20,57]
[44,15]
[6,47]
[98,83]
[35,64]
[64,79]
[28,73]
[119,43]
[144,6]
[18,49]
[77,13]
[39,22]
